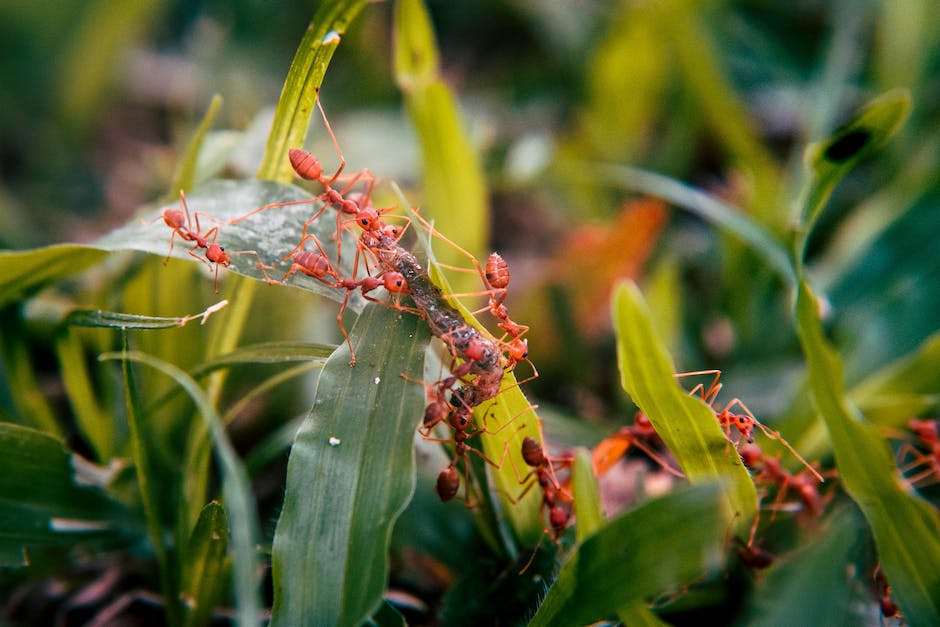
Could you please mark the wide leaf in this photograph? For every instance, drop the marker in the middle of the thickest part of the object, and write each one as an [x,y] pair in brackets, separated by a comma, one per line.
[350,474]
[687,426]
[906,528]
[43,497]
[652,549]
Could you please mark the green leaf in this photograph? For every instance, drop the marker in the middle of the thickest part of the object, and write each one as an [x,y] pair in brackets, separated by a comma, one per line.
[27,271]
[239,502]
[830,160]
[147,482]
[96,424]
[299,95]
[651,549]
[687,426]
[454,186]
[350,474]
[906,528]
[587,502]
[787,596]
[43,499]
[387,616]
[204,565]
[118,320]
[268,235]
[29,399]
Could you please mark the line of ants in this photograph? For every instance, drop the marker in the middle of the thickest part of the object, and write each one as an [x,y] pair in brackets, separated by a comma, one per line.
[479,359]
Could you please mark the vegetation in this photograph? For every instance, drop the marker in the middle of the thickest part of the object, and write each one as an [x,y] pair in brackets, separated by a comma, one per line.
[738,187]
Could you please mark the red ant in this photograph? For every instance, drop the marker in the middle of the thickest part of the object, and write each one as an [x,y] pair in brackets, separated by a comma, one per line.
[888,606]
[318,266]
[640,434]
[460,419]
[928,433]
[771,472]
[751,553]
[745,422]
[181,224]
[496,279]
[555,499]
[308,167]
[754,556]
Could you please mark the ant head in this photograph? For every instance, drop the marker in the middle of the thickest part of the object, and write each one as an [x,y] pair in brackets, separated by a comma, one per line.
[518,349]
[217,254]
[744,424]
[642,421]
[460,418]
[395,282]
[368,219]
[391,230]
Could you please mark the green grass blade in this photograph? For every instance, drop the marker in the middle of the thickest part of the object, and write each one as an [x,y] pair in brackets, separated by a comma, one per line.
[906,528]
[350,474]
[299,95]
[714,95]
[587,501]
[638,614]
[119,320]
[265,386]
[830,160]
[147,488]
[96,424]
[204,565]
[185,176]
[733,220]
[278,352]
[687,426]
[98,41]
[27,271]
[652,549]
[454,188]
[904,388]
[243,523]
[30,404]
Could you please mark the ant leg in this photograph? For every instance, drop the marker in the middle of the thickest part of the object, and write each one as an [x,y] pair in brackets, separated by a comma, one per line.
[775,435]
[339,153]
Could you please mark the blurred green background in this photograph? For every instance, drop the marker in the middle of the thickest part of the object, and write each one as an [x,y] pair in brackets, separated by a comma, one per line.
[98,103]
